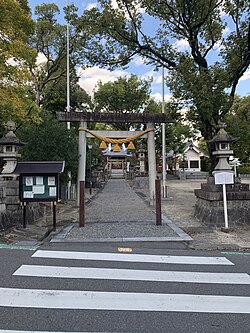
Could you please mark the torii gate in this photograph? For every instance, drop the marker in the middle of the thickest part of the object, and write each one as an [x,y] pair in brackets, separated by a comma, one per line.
[109,117]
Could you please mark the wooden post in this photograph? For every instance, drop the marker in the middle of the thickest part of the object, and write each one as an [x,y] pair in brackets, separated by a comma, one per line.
[24,215]
[158,201]
[82,205]
[54,215]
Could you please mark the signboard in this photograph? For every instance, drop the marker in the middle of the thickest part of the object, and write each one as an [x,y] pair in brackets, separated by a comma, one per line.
[221,178]
[38,187]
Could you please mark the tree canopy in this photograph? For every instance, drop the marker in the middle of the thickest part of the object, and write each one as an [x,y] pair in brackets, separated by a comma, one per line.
[50,141]
[202,77]
[33,83]
[124,95]
[16,26]
[238,121]
[216,28]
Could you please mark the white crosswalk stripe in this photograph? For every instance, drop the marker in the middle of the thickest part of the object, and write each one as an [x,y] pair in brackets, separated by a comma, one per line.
[185,260]
[17,331]
[128,301]
[134,275]
[97,300]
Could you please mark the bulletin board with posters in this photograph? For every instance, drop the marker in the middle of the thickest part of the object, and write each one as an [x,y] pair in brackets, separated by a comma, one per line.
[39,181]
[39,187]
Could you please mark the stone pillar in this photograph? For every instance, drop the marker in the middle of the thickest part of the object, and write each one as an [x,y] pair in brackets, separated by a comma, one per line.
[82,157]
[151,163]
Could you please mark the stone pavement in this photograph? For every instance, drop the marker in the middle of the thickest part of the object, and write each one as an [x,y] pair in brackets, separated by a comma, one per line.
[179,207]
[127,221]
[117,213]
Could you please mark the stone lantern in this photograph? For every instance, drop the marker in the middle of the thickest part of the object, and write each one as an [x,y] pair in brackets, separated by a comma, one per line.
[222,141]
[209,203]
[10,145]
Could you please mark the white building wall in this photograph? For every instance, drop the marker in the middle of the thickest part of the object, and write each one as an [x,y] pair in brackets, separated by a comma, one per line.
[192,155]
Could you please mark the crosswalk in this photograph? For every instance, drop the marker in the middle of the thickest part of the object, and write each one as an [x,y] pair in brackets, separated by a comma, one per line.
[160,272]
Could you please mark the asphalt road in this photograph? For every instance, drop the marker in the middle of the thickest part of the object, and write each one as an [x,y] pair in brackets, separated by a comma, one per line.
[102,288]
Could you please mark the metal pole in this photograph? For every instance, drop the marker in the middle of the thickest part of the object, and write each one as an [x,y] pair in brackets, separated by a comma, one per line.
[90,171]
[68,104]
[82,205]
[68,78]
[158,201]
[225,204]
[164,193]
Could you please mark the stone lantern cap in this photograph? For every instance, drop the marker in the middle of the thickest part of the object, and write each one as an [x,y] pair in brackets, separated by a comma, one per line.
[10,137]
[11,141]
[222,135]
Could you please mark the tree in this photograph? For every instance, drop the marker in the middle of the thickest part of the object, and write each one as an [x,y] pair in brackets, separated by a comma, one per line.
[50,141]
[16,26]
[128,94]
[116,35]
[176,133]
[238,121]
[49,41]
[55,95]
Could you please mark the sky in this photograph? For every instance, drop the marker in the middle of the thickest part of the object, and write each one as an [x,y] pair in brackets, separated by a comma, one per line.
[90,76]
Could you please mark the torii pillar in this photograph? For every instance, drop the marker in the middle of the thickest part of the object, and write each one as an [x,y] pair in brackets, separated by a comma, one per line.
[151,163]
[81,158]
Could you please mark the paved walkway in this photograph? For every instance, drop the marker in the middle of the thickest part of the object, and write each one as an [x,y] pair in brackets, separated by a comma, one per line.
[117,213]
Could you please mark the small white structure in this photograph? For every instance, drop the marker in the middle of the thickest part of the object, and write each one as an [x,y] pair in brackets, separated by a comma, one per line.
[192,157]
[188,161]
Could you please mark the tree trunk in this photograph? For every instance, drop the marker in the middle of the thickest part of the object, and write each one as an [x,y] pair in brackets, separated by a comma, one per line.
[207,133]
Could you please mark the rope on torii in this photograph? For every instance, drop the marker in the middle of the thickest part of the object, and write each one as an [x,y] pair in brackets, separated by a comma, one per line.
[104,140]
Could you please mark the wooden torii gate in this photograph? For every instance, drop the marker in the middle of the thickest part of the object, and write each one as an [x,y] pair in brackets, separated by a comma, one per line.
[108,117]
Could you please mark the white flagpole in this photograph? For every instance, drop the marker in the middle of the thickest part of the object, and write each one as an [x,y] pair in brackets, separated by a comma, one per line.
[68,79]
[68,103]
[164,193]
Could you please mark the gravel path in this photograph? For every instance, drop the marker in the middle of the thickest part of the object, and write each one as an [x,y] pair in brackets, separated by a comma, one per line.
[117,202]
[118,212]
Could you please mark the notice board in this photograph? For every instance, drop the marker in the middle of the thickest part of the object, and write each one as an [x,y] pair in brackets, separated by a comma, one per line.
[43,187]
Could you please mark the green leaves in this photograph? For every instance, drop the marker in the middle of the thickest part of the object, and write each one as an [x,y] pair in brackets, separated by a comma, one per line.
[125,95]
[203,77]
[238,121]
[16,26]
[50,141]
